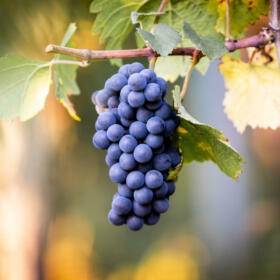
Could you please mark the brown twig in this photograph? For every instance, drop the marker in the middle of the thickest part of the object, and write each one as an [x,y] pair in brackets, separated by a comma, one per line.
[85,54]
[275,24]
[227,21]
[160,10]
[195,60]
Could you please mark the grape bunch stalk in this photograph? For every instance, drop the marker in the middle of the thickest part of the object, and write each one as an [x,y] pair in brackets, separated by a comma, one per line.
[135,125]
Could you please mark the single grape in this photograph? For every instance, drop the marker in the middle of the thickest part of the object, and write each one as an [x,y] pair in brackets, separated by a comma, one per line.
[137,82]
[114,151]
[110,161]
[98,126]
[162,83]
[160,205]
[164,111]
[124,93]
[162,162]
[125,111]
[136,99]
[116,82]
[128,143]
[115,132]
[143,153]
[113,102]
[153,105]
[171,187]
[149,74]
[115,219]
[153,179]
[154,141]
[106,119]
[117,174]
[121,205]
[162,191]
[134,223]
[100,140]
[152,92]
[135,67]
[125,191]
[143,114]
[124,70]
[143,195]
[174,155]
[127,161]
[135,179]
[152,219]
[138,130]
[102,97]
[141,210]
[155,125]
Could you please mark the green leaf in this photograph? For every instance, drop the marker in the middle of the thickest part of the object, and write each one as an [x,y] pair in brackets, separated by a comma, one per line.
[72,27]
[138,17]
[163,40]
[24,85]
[242,14]
[172,67]
[114,24]
[201,142]
[210,46]
[65,75]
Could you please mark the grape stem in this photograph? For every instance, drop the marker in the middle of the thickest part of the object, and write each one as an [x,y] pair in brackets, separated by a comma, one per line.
[227,21]
[259,40]
[160,10]
[195,60]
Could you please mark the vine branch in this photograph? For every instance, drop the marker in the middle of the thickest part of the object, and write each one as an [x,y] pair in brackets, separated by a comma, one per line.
[257,41]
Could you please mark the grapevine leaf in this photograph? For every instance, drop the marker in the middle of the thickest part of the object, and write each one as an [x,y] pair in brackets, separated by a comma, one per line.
[69,33]
[164,39]
[113,20]
[171,67]
[242,14]
[210,46]
[252,98]
[65,75]
[202,142]
[138,17]
[24,85]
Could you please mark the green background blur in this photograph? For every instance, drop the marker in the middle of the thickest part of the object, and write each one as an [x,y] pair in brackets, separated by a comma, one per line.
[55,192]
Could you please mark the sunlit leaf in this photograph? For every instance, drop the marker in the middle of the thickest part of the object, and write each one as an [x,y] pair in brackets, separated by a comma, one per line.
[253,97]
[24,85]
[65,75]
[201,142]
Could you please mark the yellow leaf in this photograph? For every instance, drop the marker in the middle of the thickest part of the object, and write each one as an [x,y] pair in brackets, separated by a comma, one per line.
[253,96]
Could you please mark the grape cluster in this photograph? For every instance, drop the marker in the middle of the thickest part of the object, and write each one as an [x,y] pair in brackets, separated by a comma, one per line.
[135,125]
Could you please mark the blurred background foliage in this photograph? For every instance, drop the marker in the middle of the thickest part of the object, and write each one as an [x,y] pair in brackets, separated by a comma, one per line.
[55,192]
